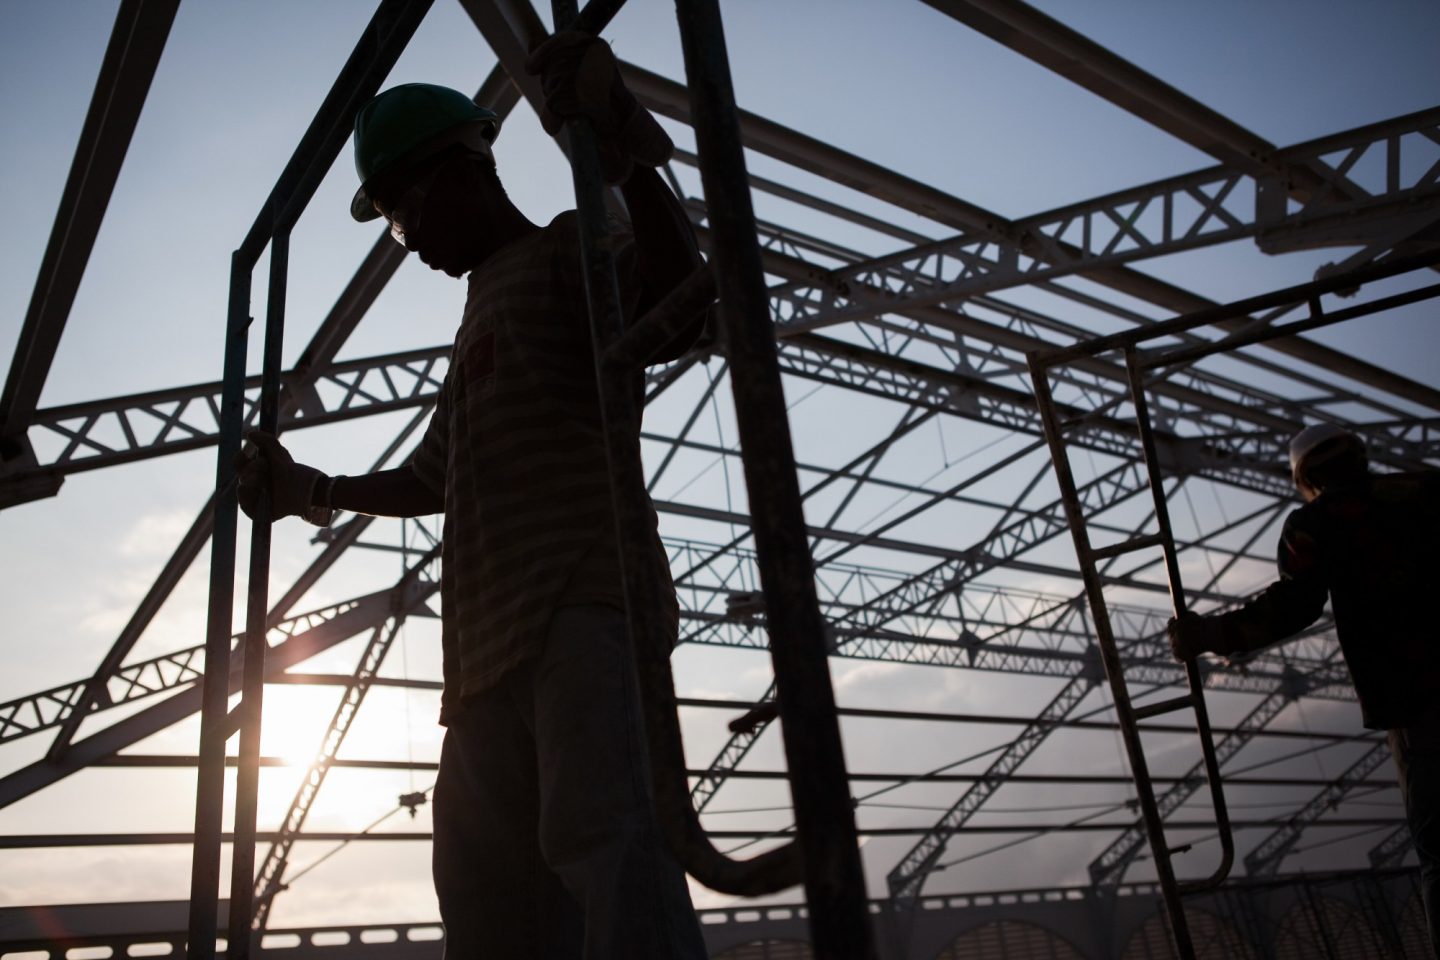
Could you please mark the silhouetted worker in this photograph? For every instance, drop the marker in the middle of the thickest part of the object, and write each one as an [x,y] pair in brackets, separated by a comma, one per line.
[546,843]
[1369,542]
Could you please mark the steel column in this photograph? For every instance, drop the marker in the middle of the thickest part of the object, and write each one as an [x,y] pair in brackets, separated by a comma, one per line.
[835,888]
[386,35]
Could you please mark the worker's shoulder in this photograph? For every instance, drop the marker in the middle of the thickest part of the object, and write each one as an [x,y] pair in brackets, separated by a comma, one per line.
[1407,487]
[562,234]
[1305,523]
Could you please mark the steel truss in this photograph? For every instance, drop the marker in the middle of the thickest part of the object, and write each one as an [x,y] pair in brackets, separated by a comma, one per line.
[924,329]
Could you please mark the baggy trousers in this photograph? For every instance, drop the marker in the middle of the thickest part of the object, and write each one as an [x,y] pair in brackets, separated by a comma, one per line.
[1416,750]
[546,844]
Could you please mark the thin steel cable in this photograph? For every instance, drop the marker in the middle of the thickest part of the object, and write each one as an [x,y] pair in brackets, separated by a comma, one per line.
[345,843]
[1019,840]
[1195,519]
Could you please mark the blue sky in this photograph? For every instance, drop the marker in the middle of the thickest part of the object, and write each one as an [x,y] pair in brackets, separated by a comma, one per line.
[895,82]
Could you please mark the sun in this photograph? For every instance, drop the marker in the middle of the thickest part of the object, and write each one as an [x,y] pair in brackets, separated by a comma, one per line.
[295,721]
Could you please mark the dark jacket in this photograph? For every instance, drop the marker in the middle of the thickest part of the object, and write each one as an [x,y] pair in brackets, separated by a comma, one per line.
[1374,548]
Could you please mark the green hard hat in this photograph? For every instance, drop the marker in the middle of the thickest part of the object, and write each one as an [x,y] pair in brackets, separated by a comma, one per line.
[414,120]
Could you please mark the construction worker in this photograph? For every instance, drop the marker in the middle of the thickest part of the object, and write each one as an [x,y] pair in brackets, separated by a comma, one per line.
[545,839]
[1367,541]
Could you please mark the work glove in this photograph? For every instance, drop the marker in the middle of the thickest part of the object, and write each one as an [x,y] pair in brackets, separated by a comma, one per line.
[1191,635]
[266,465]
[579,78]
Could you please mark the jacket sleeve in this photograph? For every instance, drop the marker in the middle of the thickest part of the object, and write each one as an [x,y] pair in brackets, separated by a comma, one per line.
[1288,605]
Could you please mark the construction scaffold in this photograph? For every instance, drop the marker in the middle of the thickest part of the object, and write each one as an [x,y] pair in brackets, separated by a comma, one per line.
[925,326]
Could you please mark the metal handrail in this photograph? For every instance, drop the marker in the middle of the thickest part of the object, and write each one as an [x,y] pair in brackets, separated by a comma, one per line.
[1114,669]
[385,37]
[1177,599]
[1155,362]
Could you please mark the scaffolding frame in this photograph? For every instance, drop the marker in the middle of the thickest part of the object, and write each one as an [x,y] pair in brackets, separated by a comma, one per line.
[1144,370]
[820,292]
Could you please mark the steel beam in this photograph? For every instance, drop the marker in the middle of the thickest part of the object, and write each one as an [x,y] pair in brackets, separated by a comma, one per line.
[1157,219]
[136,42]
[136,681]
[1081,60]
[109,741]
[666,97]
[1393,849]
[42,841]
[1025,636]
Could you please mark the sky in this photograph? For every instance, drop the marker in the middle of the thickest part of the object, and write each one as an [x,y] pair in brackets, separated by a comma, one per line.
[895,82]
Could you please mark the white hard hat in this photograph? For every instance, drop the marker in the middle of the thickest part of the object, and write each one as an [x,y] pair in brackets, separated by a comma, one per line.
[1317,444]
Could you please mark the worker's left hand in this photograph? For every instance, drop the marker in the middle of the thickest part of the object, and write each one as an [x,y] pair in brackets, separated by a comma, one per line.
[580,78]
[265,465]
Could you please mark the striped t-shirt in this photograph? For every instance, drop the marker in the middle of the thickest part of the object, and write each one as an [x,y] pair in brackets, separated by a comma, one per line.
[517,449]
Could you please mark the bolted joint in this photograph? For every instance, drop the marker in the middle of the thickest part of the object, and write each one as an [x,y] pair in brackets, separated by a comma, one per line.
[21,481]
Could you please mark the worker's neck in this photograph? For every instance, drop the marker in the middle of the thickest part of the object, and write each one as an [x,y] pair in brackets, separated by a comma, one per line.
[504,225]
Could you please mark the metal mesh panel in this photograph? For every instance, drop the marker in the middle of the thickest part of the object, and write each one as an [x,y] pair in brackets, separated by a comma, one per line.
[1414,939]
[1215,939]
[1009,940]
[1326,927]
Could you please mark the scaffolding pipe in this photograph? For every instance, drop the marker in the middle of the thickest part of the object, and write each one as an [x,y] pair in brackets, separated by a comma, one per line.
[380,45]
[834,883]
[251,708]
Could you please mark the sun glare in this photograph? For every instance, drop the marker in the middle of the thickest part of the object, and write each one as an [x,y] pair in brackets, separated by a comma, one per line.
[295,722]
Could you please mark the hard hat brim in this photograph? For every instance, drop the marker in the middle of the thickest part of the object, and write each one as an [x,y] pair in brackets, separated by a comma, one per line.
[362,208]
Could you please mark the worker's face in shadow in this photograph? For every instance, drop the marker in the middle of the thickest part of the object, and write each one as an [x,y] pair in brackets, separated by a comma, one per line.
[441,210]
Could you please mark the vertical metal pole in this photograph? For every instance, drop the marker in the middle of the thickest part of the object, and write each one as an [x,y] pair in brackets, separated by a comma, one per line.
[247,780]
[210,773]
[385,37]
[1114,669]
[601,288]
[825,819]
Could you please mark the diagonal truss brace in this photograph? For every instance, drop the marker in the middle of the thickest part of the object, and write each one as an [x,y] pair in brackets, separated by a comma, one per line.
[99,746]
[907,878]
[50,708]
[1264,860]
[1109,868]
[1392,850]
[926,589]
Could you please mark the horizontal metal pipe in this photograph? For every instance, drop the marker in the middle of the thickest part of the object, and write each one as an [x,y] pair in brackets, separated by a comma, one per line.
[1239,308]
[183,760]
[984,718]
[1243,339]
[38,841]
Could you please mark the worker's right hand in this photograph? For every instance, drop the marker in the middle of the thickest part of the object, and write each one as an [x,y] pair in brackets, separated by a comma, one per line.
[265,464]
[1190,635]
[580,77]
